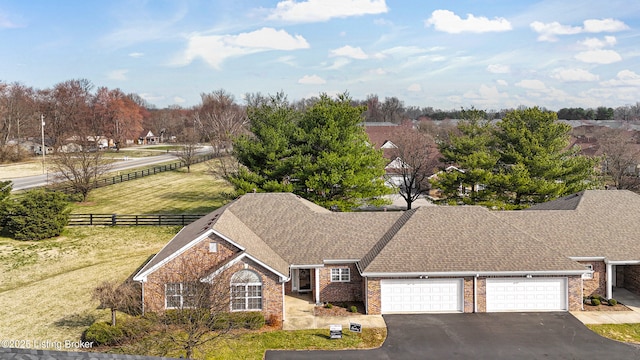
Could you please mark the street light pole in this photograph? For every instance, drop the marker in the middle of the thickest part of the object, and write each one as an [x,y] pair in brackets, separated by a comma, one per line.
[43,148]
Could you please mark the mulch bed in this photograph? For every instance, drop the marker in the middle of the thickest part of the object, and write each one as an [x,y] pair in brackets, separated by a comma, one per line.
[605,307]
[339,309]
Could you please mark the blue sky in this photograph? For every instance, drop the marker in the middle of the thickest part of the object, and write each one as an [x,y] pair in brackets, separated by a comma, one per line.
[447,54]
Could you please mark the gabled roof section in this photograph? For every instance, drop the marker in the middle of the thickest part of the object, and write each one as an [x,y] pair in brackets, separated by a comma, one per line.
[384,240]
[564,203]
[604,223]
[464,239]
[187,237]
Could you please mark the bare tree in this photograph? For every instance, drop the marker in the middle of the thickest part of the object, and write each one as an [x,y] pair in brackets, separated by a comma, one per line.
[115,296]
[621,157]
[82,165]
[415,159]
[221,119]
[196,303]
[190,144]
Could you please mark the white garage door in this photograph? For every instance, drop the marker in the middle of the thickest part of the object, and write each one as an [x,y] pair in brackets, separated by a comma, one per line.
[517,294]
[421,295]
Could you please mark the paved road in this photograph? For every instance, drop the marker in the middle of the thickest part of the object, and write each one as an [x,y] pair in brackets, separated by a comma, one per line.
[29,182]
[482,336]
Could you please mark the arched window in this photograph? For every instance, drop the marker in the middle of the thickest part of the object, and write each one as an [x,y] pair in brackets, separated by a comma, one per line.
[246,291]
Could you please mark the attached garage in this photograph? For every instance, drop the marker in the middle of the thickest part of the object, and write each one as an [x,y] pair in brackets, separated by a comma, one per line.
[531,294]
[421,295]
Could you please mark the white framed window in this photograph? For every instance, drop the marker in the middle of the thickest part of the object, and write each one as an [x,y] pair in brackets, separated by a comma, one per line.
[340,275]
[213,247]
[246,291]
[179,295]
[588,275]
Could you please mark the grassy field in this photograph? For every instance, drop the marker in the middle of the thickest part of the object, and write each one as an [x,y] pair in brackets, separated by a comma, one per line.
[45,286]
[171,192]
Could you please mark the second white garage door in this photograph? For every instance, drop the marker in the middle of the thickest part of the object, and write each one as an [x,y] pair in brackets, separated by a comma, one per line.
[421,295]
[536,294]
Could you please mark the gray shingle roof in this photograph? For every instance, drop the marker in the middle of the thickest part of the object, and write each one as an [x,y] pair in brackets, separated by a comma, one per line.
[603,223]
[463,240]
[283,229]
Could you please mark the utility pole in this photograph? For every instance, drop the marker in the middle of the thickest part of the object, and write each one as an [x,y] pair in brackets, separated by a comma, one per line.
[44,150]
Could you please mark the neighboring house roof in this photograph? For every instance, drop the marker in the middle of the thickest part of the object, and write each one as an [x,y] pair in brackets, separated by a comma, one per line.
[593,223]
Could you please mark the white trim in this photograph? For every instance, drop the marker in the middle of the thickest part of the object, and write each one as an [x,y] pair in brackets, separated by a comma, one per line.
[209,278]
[143,276]
[609,276]
[587,258]
[622,262]
[284,308]
[338,261]
[292,266]
[469,274]
[475,293]
[295,279]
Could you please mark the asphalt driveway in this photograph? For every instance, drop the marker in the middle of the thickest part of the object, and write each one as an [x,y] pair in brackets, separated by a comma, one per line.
[482,336]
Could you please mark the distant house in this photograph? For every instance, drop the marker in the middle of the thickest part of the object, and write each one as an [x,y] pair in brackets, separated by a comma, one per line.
[148,138]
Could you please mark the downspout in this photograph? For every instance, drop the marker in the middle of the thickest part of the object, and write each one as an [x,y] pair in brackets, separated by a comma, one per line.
[142,286]
[283,303]
[475,293]
[609,281]
[582,293]
[316,272]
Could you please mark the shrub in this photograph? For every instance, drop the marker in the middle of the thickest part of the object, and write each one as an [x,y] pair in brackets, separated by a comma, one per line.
[238,320]
[37,215]
[596,296]
[595,302]
[613,302]
[101,333]
[328,306]
[354,309]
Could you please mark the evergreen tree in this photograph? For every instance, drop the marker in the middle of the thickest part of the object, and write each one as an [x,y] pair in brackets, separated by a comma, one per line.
[522,159]
[320,153]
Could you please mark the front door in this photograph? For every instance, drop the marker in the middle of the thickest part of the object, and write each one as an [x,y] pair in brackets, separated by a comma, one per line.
[304,278]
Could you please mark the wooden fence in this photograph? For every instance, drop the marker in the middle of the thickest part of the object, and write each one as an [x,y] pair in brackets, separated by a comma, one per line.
[65,187]
[132,220]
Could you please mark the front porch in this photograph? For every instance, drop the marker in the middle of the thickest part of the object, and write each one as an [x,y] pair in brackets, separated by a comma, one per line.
[625,297]
[299,315]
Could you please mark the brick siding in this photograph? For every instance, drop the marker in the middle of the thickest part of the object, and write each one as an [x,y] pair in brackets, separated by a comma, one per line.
[339,291]
[632,278]
[597,285]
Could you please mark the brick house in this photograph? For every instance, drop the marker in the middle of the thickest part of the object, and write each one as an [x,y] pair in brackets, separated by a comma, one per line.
[429,259]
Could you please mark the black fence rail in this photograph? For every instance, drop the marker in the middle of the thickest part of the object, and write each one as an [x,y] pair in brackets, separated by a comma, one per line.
[65,187]
[132,220]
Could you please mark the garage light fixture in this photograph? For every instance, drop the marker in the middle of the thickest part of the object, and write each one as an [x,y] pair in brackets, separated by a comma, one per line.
[424,277]
[529,276]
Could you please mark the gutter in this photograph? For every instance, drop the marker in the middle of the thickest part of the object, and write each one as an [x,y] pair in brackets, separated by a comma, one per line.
[475,273]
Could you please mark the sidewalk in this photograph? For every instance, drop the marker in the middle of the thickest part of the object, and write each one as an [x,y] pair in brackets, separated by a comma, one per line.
[299,315]
[623,296]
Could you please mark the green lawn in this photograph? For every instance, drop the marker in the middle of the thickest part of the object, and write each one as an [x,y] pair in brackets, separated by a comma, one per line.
[621,332]
[171,192]
[45,286]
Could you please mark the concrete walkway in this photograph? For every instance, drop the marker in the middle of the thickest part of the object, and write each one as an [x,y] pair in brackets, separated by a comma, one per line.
[299,315]
[623,296]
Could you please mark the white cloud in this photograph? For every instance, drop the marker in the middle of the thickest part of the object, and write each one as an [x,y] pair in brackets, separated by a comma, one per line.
[349,52]
[531,84]
[548,31]
[324,10]
[414,88]
[486,95]
[120,74]
[447,21]
[7,23]
[378,71]
[498,68]
[598,56]
[338,63]
[179,100]
[573,75]
[595,43]
[214,49]
[502,82]
[136,55]
[624,78]
[312,80]
[604,25]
